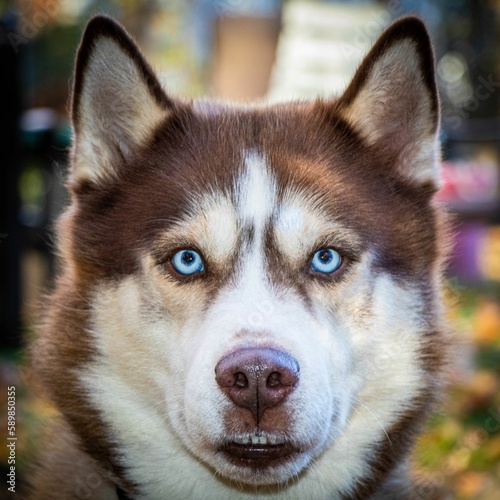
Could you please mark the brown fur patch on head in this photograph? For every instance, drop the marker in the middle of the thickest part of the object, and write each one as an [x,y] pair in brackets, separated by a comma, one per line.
[311,154]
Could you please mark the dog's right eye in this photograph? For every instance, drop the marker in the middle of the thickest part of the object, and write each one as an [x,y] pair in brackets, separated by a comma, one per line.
[187,262]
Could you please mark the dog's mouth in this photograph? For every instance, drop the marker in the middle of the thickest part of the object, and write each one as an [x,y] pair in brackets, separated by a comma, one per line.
[258,450]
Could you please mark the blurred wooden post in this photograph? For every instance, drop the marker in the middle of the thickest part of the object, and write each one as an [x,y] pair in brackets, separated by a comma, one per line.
[244,54]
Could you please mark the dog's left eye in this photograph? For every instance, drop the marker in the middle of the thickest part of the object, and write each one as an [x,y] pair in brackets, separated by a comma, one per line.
[187,262]
[326,261]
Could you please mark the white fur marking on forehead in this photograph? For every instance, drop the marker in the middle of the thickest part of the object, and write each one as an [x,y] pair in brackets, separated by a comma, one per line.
[256,198]
[256,192]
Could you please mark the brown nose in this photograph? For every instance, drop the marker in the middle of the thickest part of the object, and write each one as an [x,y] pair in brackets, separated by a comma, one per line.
[257,378]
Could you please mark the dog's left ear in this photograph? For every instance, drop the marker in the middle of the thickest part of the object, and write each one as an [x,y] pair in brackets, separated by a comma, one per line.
[392,101]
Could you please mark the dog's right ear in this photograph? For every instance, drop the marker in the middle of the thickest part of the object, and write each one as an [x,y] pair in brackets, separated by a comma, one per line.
[117,102]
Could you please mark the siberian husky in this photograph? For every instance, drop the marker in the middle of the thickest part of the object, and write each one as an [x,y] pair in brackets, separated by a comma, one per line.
[249,303]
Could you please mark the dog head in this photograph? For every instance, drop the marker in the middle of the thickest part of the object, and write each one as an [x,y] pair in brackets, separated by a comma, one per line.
[250,290]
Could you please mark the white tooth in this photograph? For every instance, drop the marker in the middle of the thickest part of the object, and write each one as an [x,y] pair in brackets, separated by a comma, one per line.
[247,439]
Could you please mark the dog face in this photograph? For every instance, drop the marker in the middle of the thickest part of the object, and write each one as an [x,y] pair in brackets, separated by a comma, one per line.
[257,288]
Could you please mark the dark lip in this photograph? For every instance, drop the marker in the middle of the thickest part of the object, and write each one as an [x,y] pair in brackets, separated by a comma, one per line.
[258,455]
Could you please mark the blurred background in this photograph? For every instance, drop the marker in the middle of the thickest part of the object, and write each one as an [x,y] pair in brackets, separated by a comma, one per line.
[274,50]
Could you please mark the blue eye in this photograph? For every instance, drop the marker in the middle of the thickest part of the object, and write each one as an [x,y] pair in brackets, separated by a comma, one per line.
[187,262]
[326,261]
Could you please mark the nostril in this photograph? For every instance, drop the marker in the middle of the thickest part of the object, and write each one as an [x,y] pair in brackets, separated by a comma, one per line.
[274,379]
[240,380]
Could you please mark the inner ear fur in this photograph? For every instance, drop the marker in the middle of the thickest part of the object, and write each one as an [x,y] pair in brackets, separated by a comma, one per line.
[392,100]
[117,101]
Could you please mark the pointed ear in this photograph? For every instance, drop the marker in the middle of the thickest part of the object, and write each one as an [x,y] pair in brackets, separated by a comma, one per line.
[393,102]
[117,101]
